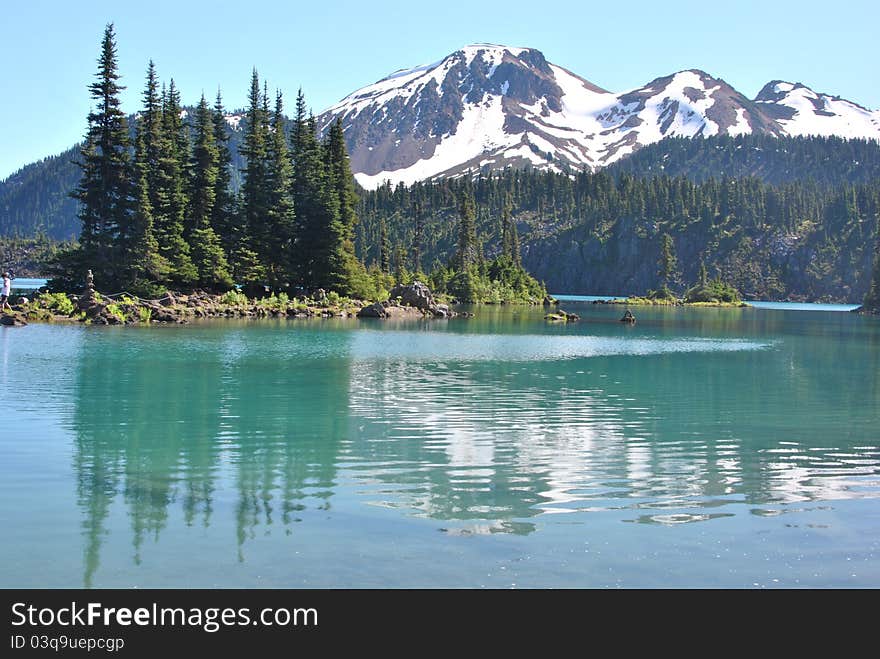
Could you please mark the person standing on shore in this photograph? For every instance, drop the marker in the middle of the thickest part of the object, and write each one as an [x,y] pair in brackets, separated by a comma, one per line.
[7,289]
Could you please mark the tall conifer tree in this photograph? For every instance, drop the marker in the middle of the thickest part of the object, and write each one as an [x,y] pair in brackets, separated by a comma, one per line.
[168,190]
[466,251]
[104,191]
[223,213]
[144,268]
[208,255]
[277,236]
[254,199]
[346,272]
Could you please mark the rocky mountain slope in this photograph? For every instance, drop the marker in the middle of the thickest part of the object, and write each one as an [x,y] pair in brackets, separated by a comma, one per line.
[487,107]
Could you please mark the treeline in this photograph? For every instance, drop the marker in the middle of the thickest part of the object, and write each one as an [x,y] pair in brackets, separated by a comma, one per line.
[599,233]
[161,212]
[37,197]
[829,161]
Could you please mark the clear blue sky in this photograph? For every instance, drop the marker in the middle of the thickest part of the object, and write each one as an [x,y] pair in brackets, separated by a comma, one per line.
[48,49]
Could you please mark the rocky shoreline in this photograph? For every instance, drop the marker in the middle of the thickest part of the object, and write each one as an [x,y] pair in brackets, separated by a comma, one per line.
[412,301]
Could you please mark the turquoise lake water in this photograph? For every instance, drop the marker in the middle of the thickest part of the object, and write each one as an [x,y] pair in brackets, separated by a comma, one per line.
[698,448]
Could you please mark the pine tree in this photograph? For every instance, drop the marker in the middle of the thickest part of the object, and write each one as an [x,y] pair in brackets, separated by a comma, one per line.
[223,214]
[384,247]
[418,236]
[168,190]
[104,191]
[319,230]
[347,274]
[250,249]
[145,268]
[277,236]
[466,252]
[509,236]
[668,264]
[399,264]
[207,251]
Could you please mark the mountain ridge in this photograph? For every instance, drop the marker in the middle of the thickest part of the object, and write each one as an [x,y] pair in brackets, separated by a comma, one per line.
[489,106]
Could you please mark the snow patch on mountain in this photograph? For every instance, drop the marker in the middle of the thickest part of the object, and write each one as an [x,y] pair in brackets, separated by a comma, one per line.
[492,106]
[802,111]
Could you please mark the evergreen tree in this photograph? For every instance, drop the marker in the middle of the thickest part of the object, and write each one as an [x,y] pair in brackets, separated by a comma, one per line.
[254,203]
[418,236]
[466,252]
[318,229]
[668,264]
[384,247]
[276,239]
[399,264]
[509,236]
[168,190]
[223,214]
[207,251]
[104,191]
[347,274]
[144,268]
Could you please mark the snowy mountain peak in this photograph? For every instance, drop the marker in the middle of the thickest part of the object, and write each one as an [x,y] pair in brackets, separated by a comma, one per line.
[801,111]
[489,106]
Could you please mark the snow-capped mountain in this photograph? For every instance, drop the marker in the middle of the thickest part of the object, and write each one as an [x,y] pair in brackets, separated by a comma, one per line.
[488,106]
[801,111]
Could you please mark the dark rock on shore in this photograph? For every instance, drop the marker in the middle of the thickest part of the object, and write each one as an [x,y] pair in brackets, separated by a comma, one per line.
[410,296]
[12,320]
[389,310]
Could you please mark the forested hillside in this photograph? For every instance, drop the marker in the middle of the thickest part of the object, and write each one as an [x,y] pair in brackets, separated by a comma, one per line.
[601,234]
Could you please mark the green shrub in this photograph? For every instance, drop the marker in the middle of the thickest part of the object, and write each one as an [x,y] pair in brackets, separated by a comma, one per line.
[714,291]
[115,311]
[145,314]
[234,298]
[57,302]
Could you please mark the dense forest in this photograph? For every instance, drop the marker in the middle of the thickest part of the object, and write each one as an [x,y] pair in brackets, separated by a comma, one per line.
[830,161]
[158,211]
[601,233]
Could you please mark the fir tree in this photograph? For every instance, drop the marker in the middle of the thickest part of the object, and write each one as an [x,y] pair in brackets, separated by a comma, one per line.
[251,246]
[167,187]
[418,236]
[319,229]
[668,264]
[145,268]
[466,252]
[104,191]
[223,214]
[207,251]
[509,236]
[399,264]
[384,247]
[347,274]
[276,238]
